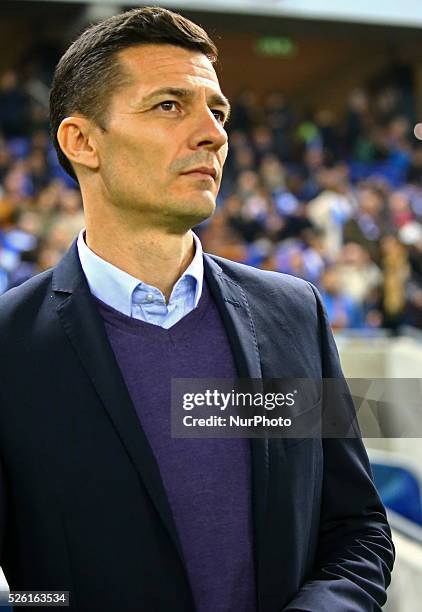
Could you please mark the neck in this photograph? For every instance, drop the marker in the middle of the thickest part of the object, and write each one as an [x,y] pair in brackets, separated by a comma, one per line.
[153,255]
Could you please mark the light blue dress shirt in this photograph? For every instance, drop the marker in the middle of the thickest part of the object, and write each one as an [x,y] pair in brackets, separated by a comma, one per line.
[136,299]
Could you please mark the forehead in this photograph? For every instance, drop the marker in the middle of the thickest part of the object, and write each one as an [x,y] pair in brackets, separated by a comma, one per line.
[151,66]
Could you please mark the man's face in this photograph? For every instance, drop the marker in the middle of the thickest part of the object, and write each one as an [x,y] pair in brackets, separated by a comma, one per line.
[165,123]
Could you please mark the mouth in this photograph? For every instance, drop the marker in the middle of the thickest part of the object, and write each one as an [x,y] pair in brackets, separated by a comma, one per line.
[202,172]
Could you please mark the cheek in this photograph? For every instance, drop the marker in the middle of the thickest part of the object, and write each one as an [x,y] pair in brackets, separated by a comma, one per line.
[149,158]
[133,165]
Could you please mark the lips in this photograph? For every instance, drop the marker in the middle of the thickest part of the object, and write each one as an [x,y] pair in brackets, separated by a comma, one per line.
[203,170]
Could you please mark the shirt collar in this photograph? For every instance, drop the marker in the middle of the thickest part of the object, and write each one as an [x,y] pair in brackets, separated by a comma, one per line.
[115,287]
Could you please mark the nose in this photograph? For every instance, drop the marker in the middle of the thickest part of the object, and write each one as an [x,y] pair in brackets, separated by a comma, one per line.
[207,131]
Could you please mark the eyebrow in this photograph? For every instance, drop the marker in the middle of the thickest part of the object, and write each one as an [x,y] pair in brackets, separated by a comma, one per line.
[217,99]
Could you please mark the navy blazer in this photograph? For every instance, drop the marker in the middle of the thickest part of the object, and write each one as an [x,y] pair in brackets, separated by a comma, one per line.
[82,504]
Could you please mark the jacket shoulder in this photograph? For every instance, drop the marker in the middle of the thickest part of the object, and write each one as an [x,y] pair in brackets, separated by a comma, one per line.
[276,300]
[19,303]
[255,278]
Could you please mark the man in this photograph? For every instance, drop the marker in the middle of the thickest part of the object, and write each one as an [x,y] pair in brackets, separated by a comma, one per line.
[98,498]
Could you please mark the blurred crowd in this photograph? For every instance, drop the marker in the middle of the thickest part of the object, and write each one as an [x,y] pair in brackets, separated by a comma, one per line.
[336,200]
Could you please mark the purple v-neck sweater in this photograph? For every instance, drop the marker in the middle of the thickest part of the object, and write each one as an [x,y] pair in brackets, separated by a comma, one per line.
[208,481]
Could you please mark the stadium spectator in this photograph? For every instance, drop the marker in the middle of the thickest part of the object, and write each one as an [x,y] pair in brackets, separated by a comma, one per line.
[343,312]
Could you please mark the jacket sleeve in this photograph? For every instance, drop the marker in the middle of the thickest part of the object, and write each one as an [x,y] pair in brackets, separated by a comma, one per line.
[355,553]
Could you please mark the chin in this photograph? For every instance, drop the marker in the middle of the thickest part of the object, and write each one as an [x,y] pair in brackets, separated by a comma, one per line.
[197,210]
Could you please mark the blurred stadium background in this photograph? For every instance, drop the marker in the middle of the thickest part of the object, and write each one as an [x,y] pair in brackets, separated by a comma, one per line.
[323,181]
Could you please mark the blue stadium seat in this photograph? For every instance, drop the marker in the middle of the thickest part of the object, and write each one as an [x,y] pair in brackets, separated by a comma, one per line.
[400,489]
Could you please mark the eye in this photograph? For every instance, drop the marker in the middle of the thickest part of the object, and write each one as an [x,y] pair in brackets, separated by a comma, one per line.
[220,115]
[166,104]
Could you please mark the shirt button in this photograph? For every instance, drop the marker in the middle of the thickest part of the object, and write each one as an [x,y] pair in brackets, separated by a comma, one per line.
[150,297]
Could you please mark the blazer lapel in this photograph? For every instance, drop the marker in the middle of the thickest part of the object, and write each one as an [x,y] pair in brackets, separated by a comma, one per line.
[85,330]
[234,308]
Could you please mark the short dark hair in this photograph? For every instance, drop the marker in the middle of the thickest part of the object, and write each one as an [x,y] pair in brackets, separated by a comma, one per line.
[89,70]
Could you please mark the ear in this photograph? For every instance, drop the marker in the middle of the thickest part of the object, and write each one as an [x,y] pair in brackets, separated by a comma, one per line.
[76,139]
